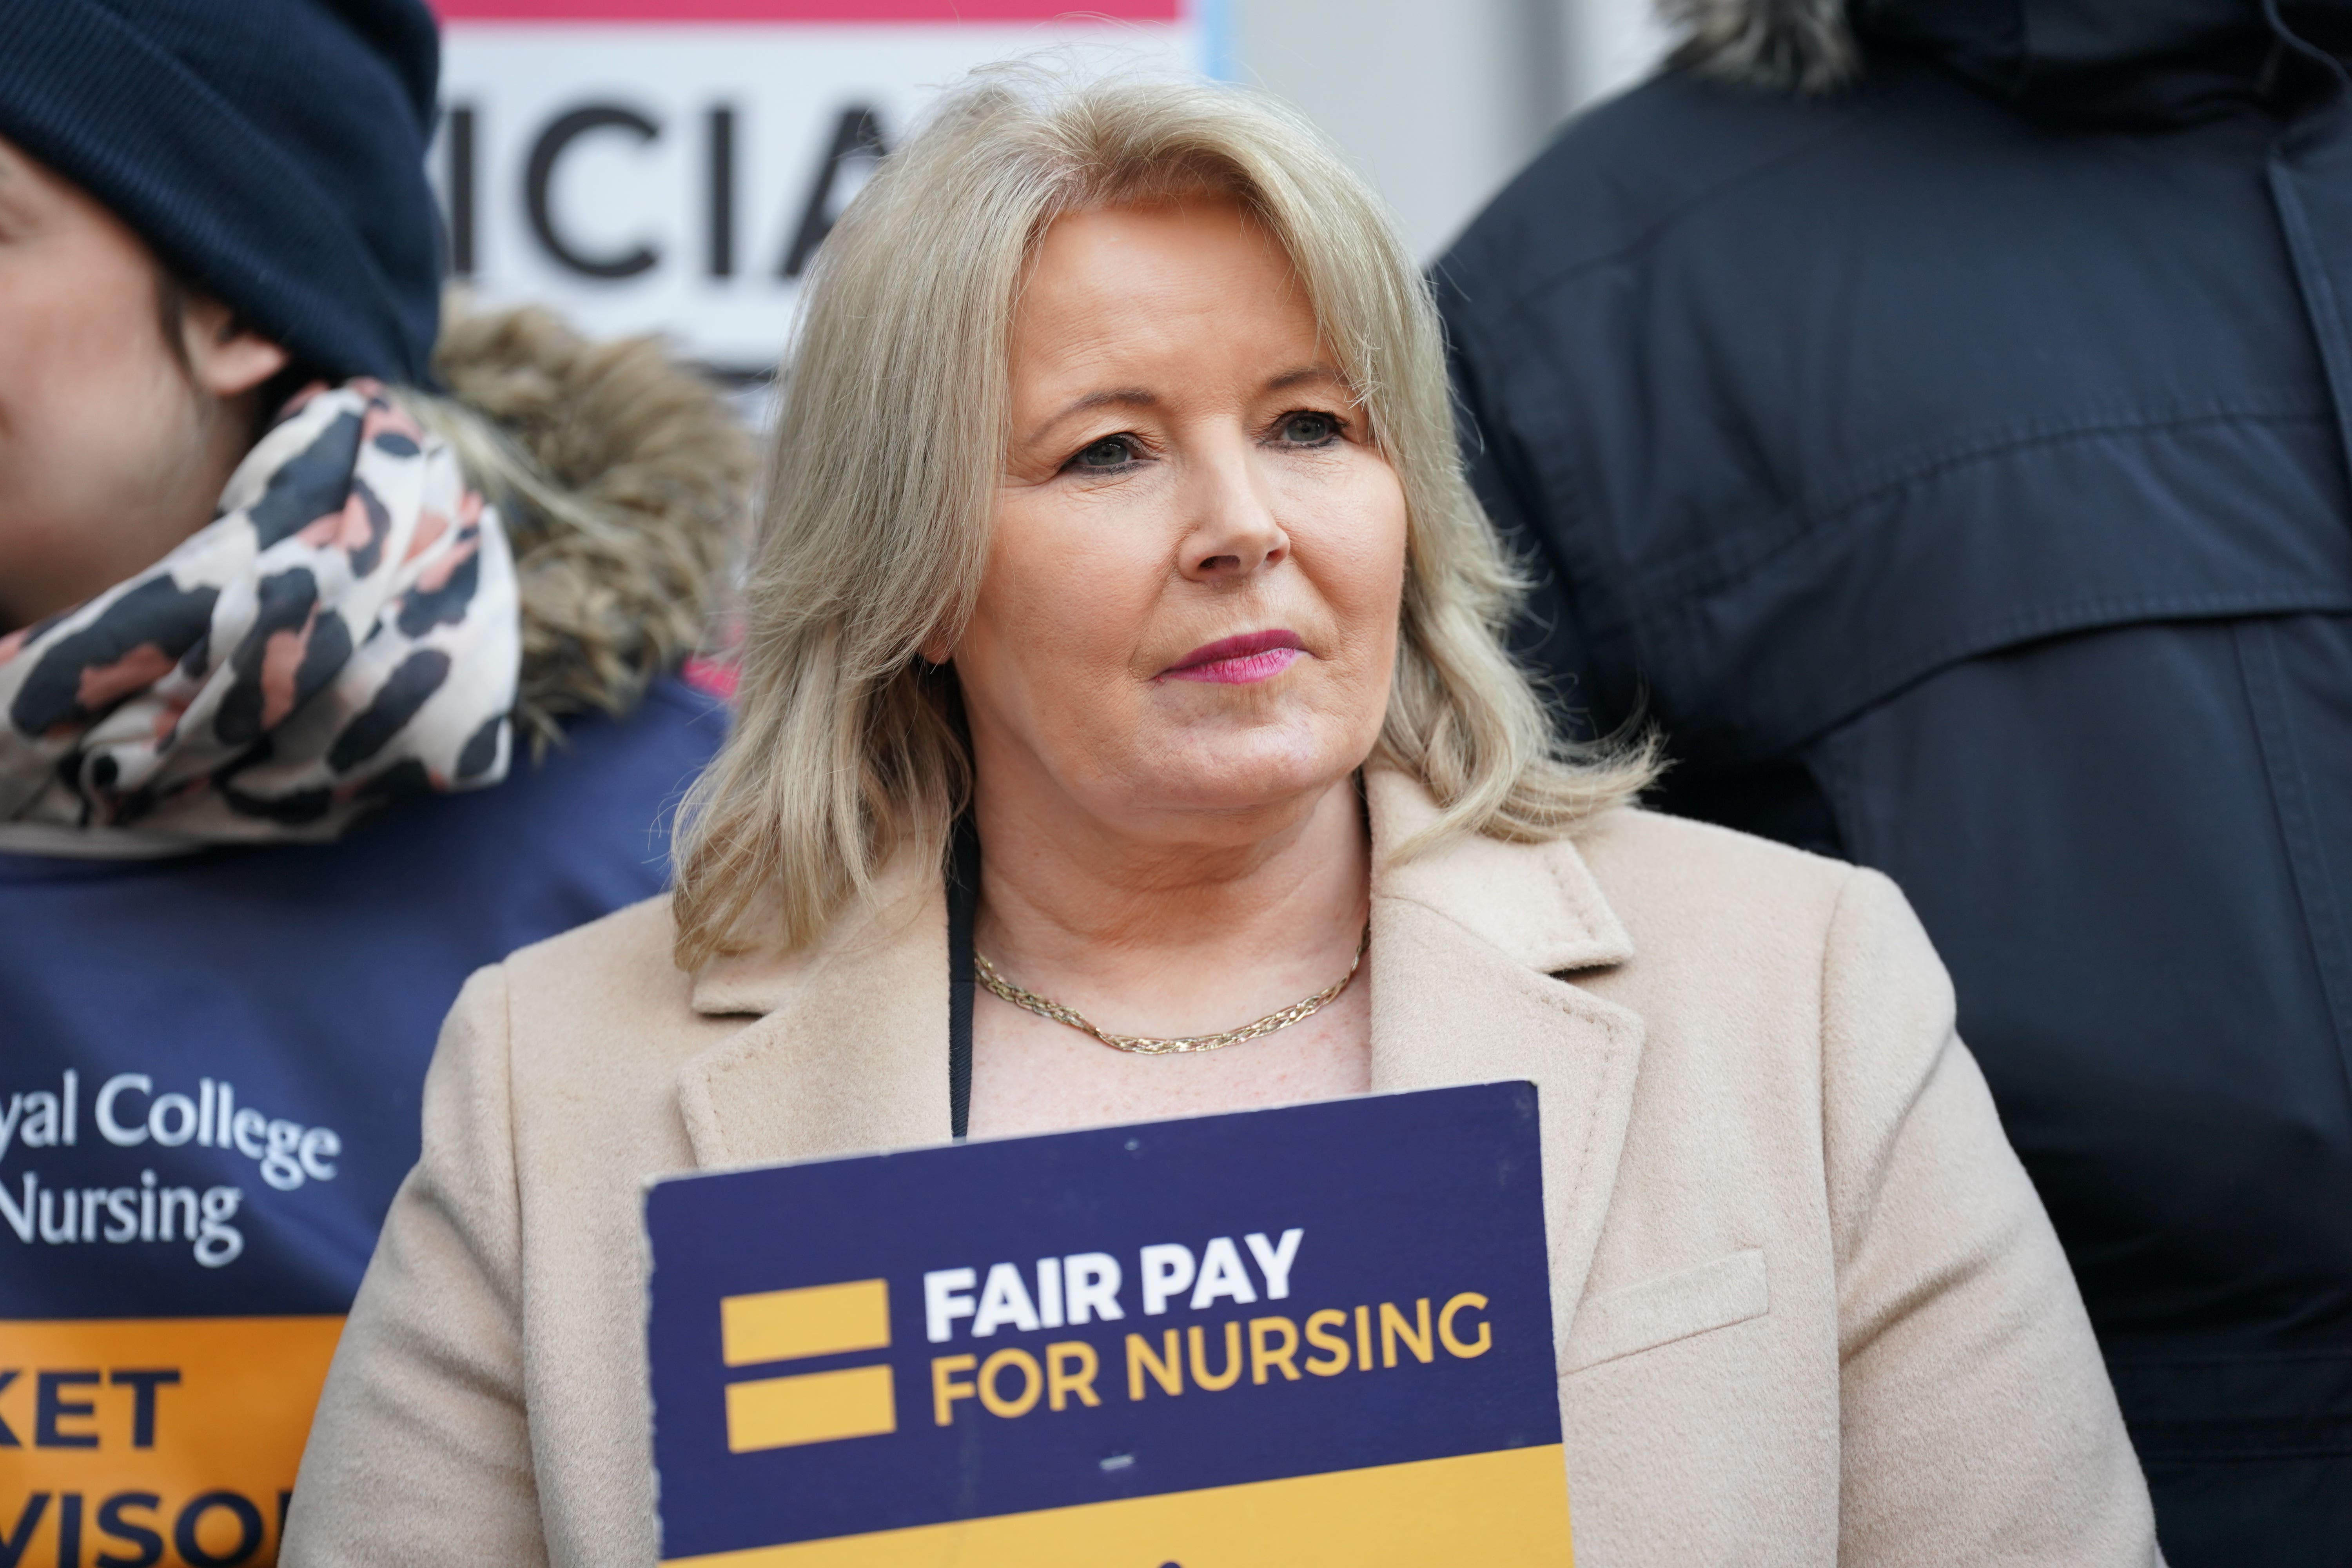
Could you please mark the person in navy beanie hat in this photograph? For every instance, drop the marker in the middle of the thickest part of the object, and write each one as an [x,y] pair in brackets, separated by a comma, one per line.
[271,152]
[343,651]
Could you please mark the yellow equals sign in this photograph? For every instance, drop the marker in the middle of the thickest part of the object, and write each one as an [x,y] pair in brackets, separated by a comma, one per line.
[807,1408]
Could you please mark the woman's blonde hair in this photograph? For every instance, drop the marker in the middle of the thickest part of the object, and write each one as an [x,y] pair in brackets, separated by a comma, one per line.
[889,448]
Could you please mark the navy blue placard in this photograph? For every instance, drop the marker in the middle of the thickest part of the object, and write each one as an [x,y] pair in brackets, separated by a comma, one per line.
[1431,1197]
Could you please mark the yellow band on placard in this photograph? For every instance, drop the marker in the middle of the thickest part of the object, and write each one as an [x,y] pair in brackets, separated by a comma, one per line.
[813,1408]
[817,1320]
[1503,1509]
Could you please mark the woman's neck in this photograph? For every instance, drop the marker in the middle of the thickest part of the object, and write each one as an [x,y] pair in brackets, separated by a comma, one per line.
[1173,925]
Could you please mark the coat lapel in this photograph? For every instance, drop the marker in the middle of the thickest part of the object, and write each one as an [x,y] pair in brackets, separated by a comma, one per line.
[1466,939]
[850,1054]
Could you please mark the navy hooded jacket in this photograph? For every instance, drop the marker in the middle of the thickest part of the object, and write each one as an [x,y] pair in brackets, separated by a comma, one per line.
[1954,467]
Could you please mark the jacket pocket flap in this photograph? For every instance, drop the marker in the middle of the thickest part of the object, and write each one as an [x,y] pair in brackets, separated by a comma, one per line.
[1731,1289]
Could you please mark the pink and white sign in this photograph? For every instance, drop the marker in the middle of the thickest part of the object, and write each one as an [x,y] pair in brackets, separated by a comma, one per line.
[669,165]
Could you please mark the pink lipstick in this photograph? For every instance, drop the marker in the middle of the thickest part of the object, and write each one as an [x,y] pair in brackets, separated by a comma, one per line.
[1238,662]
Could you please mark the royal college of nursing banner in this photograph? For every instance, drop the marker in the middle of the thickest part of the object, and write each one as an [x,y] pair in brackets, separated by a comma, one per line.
[670,165]
[1313,1337]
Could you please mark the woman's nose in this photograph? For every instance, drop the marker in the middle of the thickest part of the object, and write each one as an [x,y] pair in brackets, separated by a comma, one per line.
[1234,532]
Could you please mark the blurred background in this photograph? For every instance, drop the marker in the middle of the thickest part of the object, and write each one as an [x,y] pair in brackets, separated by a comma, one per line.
[1440,101]
[671,166]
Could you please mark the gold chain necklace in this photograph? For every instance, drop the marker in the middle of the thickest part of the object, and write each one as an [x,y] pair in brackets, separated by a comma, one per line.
[1145,1045]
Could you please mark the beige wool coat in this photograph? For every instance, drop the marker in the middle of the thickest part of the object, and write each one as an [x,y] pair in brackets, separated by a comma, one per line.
[1808,1309]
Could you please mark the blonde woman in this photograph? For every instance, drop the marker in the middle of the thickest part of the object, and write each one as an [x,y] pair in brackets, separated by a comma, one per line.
[1114,515]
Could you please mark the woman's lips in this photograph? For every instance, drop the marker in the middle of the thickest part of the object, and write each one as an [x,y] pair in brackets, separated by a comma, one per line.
[1238,661]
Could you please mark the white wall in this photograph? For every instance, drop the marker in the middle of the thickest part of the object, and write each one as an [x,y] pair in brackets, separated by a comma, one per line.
[1611,44]
[1440,101]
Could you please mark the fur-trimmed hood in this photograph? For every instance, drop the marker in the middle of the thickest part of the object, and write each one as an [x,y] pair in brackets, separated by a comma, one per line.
[1800,46]
[2103,59]
[624,477]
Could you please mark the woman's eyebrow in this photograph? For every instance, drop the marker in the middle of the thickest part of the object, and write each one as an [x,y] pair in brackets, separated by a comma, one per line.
[1121,398]
[1303,373]
[1140,398]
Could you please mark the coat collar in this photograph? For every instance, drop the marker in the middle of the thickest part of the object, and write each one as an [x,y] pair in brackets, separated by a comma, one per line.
[848,1052]
[1536,904]
[1468,940]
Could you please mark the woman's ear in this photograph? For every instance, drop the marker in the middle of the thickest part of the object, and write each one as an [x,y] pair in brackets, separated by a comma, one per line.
[225,357]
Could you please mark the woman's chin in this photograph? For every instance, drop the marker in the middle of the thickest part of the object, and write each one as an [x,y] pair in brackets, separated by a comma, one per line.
[1240,780]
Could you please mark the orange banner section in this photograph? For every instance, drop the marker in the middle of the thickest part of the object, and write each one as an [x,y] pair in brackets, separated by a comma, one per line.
[168,1441]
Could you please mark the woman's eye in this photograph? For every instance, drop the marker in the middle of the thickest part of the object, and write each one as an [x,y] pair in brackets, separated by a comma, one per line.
[1309,429]
[1111,452]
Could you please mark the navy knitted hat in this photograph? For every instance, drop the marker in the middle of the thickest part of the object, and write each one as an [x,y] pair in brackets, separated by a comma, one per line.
[271,152]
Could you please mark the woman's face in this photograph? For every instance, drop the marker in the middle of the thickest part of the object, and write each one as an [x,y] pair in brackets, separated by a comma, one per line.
[111,450]
[1189,606]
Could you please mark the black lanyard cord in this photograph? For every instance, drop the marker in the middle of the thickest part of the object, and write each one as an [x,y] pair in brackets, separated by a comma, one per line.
[964,905]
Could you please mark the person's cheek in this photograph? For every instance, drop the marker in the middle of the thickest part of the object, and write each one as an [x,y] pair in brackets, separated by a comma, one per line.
[1060,610]
[1368,591]
[1364,563]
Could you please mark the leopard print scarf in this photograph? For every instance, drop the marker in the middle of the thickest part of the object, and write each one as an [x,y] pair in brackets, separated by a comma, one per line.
[345,632]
